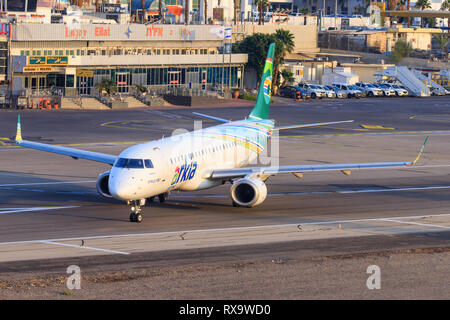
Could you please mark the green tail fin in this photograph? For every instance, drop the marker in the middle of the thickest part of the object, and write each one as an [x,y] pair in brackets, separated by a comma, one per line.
[261,108]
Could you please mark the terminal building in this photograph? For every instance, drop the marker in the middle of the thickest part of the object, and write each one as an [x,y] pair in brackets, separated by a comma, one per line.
[75,57]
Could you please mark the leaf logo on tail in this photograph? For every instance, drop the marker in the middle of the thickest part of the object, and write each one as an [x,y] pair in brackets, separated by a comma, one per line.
[267,88]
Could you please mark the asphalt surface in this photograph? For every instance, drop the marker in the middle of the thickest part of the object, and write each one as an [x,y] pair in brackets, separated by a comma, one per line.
[45,197]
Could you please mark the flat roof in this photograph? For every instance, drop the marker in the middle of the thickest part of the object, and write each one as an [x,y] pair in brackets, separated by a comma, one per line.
[418,13]
[119,32]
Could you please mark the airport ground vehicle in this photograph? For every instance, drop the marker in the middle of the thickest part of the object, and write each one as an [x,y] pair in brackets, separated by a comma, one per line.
[369,89]
[316,92]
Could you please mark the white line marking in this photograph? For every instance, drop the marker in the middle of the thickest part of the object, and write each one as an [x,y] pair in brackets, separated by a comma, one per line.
[17,210]
[45,183]
[225,229]
[419,224]
[83,247]
[299,193]
[393,189]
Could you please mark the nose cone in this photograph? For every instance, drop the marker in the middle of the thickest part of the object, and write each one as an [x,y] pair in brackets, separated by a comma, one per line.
[120,187]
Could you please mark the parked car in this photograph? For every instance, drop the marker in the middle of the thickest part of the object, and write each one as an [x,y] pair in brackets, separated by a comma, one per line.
[387,91]
[351,93]
[305,93]
[328,91]
[398,91]
[369,89]
[288,91]
[291,92]
[435,91]
[358,93]
[341,94]
[316,92]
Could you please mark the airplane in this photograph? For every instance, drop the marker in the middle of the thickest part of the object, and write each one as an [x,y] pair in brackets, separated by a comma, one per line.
[203,158]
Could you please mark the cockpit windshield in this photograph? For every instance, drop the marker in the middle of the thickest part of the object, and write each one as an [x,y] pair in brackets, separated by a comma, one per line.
[133,163]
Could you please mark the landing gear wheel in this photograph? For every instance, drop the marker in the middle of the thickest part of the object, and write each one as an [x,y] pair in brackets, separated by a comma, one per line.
[163,197]
[136,215]
[138,218]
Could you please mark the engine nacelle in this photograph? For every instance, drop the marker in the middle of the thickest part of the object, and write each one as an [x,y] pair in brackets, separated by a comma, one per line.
[248,192]
[102,184]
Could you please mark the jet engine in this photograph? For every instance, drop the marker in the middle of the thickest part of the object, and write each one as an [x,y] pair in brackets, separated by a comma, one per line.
[248,192]
[102,184]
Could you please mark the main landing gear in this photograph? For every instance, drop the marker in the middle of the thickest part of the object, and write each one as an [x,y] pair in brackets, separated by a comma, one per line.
[161,197]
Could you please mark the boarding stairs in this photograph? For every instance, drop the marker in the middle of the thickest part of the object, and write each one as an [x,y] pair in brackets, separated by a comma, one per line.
[408,79]
[440,90]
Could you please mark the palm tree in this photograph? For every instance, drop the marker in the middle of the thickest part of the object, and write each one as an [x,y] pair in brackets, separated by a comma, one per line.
[205,2]
[284,44]
[143,11]
[262,5]
[408,5]
[235,5]
[288,77]
[392,4]
[107,85]
[422,5]
[160,10]
[445,5]
[186,12]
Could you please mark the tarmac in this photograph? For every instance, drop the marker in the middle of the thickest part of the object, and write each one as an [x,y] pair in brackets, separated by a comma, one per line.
[51,215]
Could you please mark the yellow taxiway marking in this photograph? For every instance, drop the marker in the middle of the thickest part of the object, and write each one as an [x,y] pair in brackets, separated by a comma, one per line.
[369,126]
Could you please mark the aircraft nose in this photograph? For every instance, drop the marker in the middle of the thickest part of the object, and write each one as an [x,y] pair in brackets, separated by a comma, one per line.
[120,189]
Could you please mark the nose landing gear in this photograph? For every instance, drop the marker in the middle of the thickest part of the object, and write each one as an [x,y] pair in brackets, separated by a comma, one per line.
[136,215]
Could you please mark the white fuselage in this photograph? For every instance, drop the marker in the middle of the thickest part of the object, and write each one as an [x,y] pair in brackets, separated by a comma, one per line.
[182,162]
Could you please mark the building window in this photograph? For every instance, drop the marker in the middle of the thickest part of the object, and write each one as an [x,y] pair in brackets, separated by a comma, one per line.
[70,80]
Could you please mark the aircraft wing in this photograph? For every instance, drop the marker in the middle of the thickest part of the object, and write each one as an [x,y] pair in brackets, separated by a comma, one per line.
[71,152]
[298,170]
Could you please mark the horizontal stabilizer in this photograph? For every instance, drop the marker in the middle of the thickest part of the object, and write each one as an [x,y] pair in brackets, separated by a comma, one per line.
[310,125]
[210,117]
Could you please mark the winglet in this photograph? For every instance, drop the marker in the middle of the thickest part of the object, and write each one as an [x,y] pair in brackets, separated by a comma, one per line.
[420,152]
[19,131]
